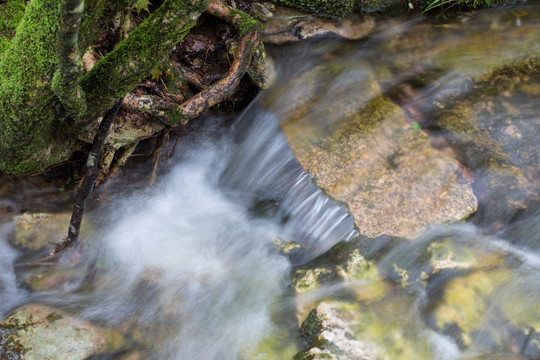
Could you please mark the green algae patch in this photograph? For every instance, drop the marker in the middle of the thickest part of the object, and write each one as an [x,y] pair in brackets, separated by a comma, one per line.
[466,307]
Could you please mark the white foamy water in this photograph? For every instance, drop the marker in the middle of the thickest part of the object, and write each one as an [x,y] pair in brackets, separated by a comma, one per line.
[190,268]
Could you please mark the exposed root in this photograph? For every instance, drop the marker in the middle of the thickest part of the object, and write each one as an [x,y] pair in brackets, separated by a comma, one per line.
[223,89]
[193,79]
[159,107]
[151,104]
[142,115]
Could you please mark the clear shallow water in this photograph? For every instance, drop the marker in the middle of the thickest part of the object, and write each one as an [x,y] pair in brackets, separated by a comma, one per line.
[190,269]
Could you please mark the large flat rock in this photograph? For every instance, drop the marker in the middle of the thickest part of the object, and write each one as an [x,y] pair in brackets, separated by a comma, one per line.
[394,182]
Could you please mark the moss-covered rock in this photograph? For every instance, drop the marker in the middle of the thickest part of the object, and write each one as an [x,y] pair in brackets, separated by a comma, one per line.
[38,332]
[30,128]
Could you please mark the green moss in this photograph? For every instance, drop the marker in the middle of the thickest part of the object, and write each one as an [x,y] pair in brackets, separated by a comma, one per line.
[11,14]
[133,59]
[244,23]
[326,8]
[380,5]
[29,132]
[97,15]
[311,327]
[431,4]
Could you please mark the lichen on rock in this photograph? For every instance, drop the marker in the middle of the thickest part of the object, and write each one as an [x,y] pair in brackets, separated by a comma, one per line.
[40,332]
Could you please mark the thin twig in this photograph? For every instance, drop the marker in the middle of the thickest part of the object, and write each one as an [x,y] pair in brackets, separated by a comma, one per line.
[88,182]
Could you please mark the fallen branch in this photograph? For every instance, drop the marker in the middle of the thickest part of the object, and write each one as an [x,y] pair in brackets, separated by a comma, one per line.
[89,181]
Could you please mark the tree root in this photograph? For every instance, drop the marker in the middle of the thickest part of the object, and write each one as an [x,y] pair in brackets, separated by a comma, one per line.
[143,115]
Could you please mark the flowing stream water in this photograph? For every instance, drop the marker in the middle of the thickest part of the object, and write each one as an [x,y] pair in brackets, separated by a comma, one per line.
[191,267]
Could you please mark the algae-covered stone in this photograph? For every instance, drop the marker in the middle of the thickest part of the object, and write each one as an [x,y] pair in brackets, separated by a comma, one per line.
[344,262]
[458,248]
[463,309]
[484,312]
[35,231]
[38,332]
[386,329]
[394,182]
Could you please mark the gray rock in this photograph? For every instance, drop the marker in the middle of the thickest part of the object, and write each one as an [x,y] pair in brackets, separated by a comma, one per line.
[37,332]
[34,230]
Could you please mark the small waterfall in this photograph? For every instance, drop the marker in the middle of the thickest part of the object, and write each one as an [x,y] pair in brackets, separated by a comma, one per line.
[263,168]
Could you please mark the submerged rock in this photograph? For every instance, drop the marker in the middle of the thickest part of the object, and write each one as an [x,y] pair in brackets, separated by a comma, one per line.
[344,262]
[475,311]
[394,182]
[493,129]
[37,332]
[34,230]
[443,249]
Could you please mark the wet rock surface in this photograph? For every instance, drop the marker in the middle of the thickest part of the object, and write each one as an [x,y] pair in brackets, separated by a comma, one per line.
[493,130]
[35,230]
[37,332]
[348,330]
[343,263]
[394,182]
[289,25]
